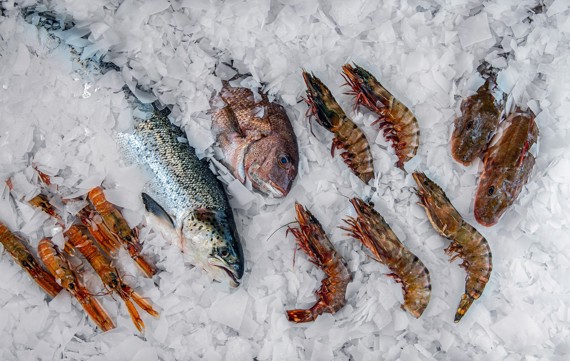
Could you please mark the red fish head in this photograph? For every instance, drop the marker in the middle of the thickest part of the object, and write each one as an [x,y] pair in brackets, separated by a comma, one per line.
[271,164]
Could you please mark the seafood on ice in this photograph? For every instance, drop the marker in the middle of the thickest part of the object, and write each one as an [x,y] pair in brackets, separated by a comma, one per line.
[356,151]
[256,139]
[474,128]
[61,269]
[370,228]
[507,166]
[78,238]
[311,238]
[397,121]
[466,242]
[17,248]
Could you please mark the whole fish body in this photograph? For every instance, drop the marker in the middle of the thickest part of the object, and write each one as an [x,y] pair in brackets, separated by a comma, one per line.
[256,138]
[507,167]
[182,189]
[185,193]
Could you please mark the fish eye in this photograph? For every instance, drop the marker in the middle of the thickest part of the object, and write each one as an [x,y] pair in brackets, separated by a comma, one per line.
[224,252]
[469,125]
[283,160]
[71,286]
[491,190]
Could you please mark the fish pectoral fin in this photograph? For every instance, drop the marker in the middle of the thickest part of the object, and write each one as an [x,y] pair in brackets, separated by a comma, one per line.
[157,210]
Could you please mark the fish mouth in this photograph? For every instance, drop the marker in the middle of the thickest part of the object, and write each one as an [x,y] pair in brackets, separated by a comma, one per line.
[269,187]
[234,281]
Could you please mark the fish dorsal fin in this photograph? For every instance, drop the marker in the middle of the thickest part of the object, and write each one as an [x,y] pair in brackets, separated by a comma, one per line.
[157,210]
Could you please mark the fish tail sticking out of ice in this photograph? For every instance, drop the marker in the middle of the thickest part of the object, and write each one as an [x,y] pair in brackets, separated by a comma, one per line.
[256,138]
[466,242]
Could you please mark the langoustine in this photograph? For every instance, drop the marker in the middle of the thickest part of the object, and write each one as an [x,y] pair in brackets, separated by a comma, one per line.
[466,242]
[397,121]
[78,237]
[312,239]
[347,136]
[507,168]
[372,230]
[256,138]
[60,268]
[116,230]
[16,247]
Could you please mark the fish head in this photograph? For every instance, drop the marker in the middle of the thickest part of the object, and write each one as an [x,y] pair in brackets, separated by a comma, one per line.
[441,213]
[475,127]
[271,163]
[494,195]
[212,239]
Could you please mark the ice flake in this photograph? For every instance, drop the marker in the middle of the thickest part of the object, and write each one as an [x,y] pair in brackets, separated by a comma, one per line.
[474,30]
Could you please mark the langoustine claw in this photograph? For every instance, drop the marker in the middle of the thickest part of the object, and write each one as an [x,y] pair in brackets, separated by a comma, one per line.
[398,123]
[348,137]
[372,230]
[466,242]
[312,239]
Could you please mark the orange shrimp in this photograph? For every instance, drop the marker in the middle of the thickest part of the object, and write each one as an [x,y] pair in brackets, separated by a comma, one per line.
[398,122]
[466,242]
[78,238]
[114,226]
[313,241]
[370,228]
[16,247]
[347,136]
[60,268]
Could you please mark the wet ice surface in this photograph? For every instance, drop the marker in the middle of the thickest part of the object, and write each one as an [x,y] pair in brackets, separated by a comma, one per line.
[425,53]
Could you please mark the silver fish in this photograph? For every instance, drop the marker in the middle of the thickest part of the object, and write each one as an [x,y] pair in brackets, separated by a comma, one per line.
[184,192]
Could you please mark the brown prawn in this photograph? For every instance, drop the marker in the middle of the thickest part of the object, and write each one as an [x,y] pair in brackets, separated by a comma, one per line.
[466,242]
[60,268]
[312,239]
[115,227]
[398,123]
[16,247]
[347,136]
[78,237]
[372,230]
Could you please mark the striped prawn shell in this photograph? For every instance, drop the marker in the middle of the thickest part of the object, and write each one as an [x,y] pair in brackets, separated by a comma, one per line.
[347,135]
[371,229]
[466,242]
[397,121]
